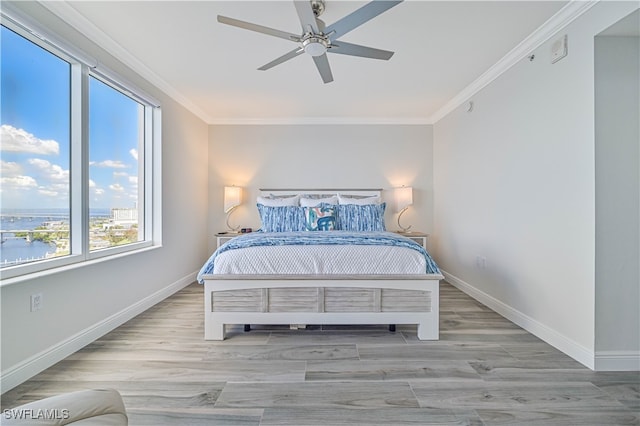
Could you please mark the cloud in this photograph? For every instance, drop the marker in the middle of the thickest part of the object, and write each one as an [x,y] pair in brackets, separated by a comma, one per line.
[9,168]
[50,171]
[19,181]
[112,164]
[133,180]
[134,153]
[19,140]
[51,180]
[116,187]
[13,177]
[47,192]
[93,187]
[120,174]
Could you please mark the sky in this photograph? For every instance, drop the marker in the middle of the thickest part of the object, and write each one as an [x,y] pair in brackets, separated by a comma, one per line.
[35,134]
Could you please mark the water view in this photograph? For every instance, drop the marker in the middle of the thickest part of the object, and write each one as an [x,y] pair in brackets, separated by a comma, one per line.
[36,234]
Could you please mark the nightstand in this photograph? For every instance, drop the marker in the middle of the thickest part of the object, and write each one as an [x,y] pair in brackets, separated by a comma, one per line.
[224,237]
[418,237]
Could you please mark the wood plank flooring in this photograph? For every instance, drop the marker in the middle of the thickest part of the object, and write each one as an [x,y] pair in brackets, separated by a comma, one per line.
[484,370]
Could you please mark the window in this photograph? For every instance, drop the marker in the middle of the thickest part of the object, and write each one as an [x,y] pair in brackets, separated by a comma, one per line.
[35,151]
[116,148]
[77,158]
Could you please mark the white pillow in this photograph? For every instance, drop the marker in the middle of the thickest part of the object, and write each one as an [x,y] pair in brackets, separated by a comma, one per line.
[314,202]
[280,202]
[359,201]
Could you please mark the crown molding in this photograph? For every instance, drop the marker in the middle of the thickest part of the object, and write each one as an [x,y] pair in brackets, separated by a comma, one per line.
[76,20]
[413,121]
[561,19]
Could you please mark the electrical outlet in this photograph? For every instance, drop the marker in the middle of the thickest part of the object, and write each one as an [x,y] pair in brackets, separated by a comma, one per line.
[559,49]
[36,302]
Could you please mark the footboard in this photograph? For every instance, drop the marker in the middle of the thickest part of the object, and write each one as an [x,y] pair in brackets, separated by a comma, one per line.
[313,299]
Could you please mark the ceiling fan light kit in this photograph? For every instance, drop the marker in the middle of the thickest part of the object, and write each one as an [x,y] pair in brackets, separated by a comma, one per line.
[317,39]
[315,45]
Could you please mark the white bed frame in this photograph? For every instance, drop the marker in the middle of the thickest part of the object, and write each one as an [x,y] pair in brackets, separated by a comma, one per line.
[322,299]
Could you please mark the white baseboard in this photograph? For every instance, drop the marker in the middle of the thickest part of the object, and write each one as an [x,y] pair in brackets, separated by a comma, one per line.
[23,371]
[617,361]
[549,335]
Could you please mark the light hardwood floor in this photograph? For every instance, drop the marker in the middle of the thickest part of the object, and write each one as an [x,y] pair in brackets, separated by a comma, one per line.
[483,370]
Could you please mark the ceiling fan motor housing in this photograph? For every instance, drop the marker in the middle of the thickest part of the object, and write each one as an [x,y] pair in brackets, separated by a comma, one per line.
[317,6]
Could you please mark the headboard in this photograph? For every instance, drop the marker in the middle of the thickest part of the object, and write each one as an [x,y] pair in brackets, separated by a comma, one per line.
[329,192]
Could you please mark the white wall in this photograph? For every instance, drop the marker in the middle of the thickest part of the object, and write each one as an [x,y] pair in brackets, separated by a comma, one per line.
[81,304]
[320,156]
[514,184]
[617,195]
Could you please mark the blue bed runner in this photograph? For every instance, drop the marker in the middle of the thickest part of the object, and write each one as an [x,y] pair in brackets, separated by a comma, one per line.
[259,239]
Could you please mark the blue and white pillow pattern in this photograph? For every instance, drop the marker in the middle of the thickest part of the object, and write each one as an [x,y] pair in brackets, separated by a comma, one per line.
[324,214]
[282,218]
[320,218]
[367,217]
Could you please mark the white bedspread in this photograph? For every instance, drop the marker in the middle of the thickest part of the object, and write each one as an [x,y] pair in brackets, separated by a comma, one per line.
[324,259]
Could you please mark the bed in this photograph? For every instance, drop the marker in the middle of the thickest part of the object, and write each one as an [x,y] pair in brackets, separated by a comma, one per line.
[322,257]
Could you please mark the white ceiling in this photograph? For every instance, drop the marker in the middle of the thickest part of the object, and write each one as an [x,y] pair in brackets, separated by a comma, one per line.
[441,47]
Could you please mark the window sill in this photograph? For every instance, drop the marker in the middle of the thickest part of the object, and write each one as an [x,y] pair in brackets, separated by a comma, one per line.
[72,266]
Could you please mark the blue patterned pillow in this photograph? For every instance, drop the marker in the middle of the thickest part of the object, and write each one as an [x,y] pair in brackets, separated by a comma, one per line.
[320,218]
[367,217]
[282,218]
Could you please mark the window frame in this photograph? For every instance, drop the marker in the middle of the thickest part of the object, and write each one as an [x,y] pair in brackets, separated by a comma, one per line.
[82,68]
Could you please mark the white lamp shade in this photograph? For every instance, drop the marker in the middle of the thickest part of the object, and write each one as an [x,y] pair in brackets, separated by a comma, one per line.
[232,197]
[404,197]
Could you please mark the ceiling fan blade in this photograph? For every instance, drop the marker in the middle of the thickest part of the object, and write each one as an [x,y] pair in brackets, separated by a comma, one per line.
[258,28]
[307,17]
[281,59]
[322,63]
[359,17]
[345,48]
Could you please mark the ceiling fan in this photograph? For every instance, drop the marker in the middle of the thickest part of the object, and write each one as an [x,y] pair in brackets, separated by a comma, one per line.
[317,39]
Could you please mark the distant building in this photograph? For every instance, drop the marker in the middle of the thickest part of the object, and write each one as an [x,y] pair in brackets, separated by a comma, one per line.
[54,224]
[124,217]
